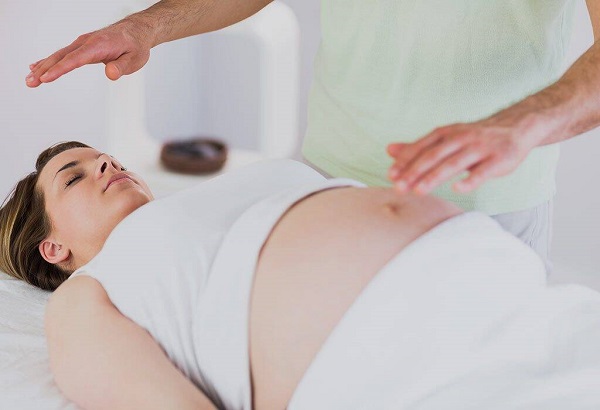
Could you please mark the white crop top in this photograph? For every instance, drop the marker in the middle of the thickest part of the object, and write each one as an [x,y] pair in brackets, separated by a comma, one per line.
[182,268]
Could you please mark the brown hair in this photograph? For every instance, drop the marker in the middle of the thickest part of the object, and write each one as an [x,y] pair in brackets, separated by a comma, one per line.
[24,224]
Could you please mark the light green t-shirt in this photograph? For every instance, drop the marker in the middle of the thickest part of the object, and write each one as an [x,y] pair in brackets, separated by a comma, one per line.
[393,70]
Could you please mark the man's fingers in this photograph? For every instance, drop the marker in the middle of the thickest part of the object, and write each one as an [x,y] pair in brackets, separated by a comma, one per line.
[77,58]
[394,149]
[477,176]
[33,79]
[424,162]
[493,167]
[404,156]
[450,167]
[120,55]
[32,66]
[405,153]
[42,66]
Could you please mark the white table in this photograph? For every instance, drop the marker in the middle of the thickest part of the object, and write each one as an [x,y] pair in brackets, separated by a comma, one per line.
[164,182]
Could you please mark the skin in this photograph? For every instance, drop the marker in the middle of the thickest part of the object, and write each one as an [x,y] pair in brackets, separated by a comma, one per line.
[316,261]
[82,210]
[98,363]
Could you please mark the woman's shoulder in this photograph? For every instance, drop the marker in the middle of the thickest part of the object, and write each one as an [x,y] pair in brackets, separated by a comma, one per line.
[76,294]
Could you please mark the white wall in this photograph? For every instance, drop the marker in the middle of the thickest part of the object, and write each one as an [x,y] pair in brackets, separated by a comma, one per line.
[71,108]
[576,245]
[308,13]
[221,84]
[74,108]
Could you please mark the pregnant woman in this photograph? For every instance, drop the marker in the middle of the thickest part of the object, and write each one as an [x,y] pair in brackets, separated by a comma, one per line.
[268,287]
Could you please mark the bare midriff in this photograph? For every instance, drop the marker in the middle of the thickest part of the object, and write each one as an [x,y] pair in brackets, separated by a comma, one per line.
[318,258]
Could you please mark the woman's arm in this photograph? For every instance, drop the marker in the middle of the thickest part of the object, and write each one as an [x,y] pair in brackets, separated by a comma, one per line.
[102,360]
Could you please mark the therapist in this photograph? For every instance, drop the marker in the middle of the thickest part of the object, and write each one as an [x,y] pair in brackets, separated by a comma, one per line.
[459,92]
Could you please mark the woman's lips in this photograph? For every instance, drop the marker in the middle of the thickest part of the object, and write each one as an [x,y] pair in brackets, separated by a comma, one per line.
[118,178]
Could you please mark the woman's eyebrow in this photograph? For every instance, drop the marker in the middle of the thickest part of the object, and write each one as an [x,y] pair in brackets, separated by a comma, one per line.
[66,166]
[70,165]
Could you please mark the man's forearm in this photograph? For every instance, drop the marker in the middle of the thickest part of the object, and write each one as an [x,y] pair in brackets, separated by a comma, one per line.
[564,109]
[170,20]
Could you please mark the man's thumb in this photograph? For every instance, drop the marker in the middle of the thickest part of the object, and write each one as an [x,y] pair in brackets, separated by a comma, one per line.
[124,65]
[113,71]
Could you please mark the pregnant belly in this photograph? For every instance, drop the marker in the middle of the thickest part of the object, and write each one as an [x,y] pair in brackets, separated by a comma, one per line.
[317,260]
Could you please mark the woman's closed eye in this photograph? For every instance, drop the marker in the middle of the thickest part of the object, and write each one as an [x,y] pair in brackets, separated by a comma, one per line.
[73,178]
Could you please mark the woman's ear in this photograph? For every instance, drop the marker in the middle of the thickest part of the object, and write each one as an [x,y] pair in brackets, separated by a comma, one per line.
[53,252]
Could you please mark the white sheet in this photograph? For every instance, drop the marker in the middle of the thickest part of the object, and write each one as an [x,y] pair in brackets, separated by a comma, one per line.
[25,379]
[461,319]
[26,382]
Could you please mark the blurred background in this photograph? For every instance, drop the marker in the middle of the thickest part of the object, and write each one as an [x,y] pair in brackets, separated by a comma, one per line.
[195,86]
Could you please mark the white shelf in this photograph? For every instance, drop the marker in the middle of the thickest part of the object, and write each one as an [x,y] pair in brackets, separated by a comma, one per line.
[163,182]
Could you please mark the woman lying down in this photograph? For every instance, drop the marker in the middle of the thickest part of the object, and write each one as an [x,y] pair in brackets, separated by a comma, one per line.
[272,287]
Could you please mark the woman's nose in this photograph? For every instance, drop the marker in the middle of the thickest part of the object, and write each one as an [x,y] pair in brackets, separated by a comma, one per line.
[104,162]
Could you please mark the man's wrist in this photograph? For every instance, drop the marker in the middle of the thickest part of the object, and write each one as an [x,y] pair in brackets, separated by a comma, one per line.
[144,27]
[537,120]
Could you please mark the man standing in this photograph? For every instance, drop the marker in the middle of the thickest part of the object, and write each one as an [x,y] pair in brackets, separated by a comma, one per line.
[460,93]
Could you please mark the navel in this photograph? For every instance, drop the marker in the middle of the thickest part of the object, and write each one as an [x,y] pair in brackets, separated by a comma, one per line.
[392,208]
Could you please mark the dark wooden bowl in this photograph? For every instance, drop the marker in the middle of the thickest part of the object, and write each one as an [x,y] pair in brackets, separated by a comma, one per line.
[194,156]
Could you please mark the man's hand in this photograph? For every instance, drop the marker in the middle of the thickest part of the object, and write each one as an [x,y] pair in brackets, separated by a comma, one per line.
[123,47]
[486,149]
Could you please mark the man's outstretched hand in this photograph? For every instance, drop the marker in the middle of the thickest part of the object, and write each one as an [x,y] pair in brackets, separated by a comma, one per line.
[123,47]
[485,149]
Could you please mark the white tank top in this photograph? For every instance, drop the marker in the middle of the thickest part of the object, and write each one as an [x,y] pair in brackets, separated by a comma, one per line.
[182,267]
